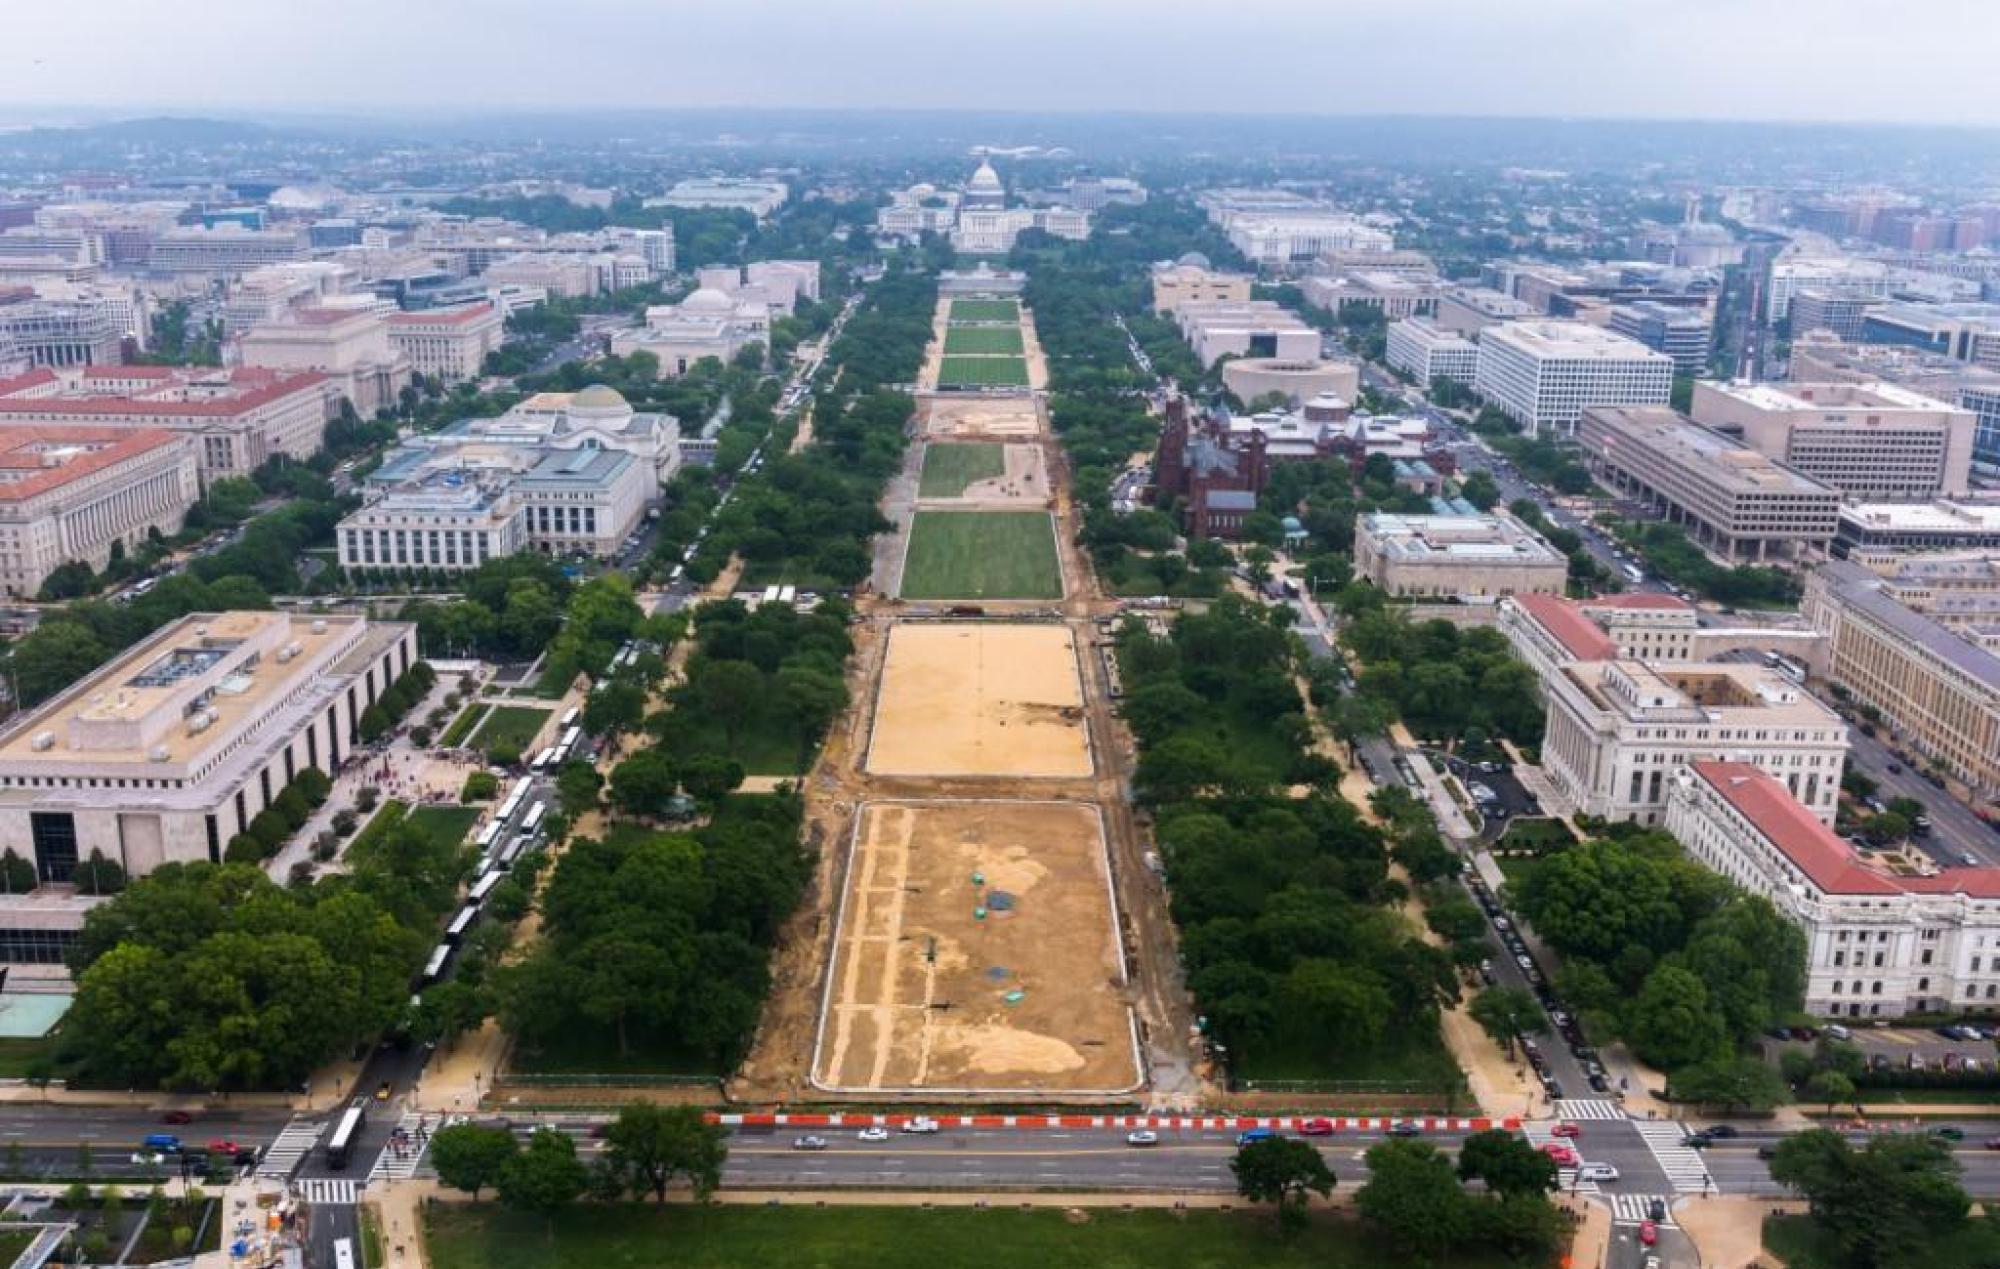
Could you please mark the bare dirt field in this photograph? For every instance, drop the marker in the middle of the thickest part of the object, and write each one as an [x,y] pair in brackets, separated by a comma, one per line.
[979,699]
[1038,362]
[926,993]
[1025,482]
[961,418]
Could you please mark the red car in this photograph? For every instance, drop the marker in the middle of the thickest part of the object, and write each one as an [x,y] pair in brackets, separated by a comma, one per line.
[1565,1130]
[177,1117]
[1315,1127]
[222,1145]
[1562,1154]
[1649,1233]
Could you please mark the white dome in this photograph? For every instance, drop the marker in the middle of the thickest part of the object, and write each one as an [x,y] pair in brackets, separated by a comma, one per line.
[708,300]
[985,179]
[600,401]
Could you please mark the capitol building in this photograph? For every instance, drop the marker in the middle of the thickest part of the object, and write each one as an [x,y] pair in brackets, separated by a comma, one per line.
[977,218]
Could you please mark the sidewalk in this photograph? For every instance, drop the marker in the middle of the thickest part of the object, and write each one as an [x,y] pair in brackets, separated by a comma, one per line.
[1728,1233]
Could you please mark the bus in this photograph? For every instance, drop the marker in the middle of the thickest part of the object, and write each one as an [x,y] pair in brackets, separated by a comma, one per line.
[570,736]
[341,1143]
[569,717]
[1635,573]
[343,1254]
[545,759]
[487,836]
[512,850]
[477,895]
[434,967]
[533,823]
[463,921]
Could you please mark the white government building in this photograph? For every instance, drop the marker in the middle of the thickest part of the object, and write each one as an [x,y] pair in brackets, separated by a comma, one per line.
[171,749]
[1543,374]
[1880,943]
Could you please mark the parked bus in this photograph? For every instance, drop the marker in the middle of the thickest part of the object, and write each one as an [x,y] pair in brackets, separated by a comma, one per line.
[487,836]
[544,760]
[533,823]
[512,850]
[570,736]
[343,1254]
[480,889]
[1635,573]
[463,921]
[434,967]
[570,716]
[341,1143]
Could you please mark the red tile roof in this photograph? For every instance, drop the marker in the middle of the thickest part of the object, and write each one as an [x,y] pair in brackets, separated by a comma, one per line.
[41,377]
[253,388]
[1566,622]
[442,316]
[114,445]
[1816,850]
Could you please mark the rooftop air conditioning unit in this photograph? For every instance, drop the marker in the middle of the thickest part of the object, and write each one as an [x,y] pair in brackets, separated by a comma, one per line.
[158,753]
[43,741]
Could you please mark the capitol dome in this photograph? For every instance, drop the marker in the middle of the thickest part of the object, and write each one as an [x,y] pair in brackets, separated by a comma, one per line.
[599,401]
[1194,260]
[708,300]
[985,179]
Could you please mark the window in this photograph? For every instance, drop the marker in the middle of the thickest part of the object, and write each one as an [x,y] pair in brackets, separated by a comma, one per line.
[54,834]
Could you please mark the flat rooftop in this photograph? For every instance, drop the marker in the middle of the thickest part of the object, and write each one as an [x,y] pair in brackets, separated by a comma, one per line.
[1441,539]
[1934,517]
[1816,397]
[1672,437]
[1575,341]
[1865,593]
[142,708]
[1729,692]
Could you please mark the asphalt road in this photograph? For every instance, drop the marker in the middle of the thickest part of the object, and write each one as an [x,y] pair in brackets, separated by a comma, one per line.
[1955,831]
[52,1137]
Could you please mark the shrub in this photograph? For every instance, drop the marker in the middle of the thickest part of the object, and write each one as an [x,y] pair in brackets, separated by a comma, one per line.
[367,798]
[243,849]
[344,822]
[480,786]
[314,786]
[271,828]
[504,755]
[326,845]
[293,805]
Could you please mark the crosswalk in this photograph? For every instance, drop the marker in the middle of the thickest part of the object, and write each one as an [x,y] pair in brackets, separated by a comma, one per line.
[391,1166]
[292,1145]
[1538,1135]
[1573,1108]
[328,1191]
[1681,1162]
[1630,1209]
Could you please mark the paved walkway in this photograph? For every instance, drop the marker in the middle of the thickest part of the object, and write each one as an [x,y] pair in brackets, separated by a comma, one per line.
[1728,1233]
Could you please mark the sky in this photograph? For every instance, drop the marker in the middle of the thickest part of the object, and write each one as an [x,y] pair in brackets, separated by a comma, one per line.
[1797,60]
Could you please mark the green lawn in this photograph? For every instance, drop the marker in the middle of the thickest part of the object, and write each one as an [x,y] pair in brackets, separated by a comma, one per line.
[17,1054]
[1405,1057]
[983,372]
[949,468]
[445,823]
[15,1241]
[462,726]
[985,311]
[765,745]
[1801,1244]
[1536,834]
[982,555]
[514,725]
[982,339]
[794,1236]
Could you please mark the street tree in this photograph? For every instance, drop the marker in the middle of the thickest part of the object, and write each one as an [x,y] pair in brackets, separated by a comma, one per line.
[471,1158]
[1507,1163]
[1413,1196]
[1283,1171]
[1885,1204]
[546,1177]
[651,1145]
[1507,1013]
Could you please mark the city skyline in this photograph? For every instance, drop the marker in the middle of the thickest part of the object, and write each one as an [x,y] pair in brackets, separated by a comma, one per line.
[1555,59]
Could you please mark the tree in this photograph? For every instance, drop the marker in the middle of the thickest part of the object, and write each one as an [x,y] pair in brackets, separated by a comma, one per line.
[615,706]
[1731,1082]
[471,1158]
[546,1177]
[1884,1204]
[709,777]
[577,785]
[731,691]
[17,875]
[374,722]
[1283,1171]
[1830,1088]
[651,1145]
[480,786]
[1413,1196]
[642,783]
[1673,1022]
[1507,1163]
[1506,1013]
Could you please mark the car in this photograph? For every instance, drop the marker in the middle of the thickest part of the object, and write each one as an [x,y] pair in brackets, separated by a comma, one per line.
[921,1124]
[1565,1130]
[872,1134]
[1991,1143]
[1767,1152]
[383,1090]
[1656,1210]
[1562,1154]
[809,1143]
[1597,1172]
[1142,1137]
[161,1143]
[177,1117]
[1315,1127]
[1945,1132]
[1720,1132]
[1404,1128]
[1251,1136]
[1524,962]
[1649,1233]
[1698,1141]
[247,1157]
[222,1145]
[1895,768]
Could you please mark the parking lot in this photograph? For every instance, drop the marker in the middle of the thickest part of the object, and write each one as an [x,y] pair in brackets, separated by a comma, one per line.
[1499,797]
[1894,1048]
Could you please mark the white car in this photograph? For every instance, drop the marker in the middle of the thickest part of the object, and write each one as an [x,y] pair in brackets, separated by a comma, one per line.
[921,1124]
[873,1134]
[1597,1172]
[1143,1137]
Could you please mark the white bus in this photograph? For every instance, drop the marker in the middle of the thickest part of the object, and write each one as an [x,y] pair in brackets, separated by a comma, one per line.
[462,922]
[545,759]
[533,823]
[341,1143]
[570,716]
[787,594]
[569,739]
[487,836]
[515,796]
[343,1254]
[512,850]
[480,889]
[1635,573]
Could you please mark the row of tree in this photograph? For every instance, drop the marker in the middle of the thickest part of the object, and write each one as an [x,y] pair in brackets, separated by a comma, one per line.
[1447,684]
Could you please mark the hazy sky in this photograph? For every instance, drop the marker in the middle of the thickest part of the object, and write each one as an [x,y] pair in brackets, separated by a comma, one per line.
[1757,59]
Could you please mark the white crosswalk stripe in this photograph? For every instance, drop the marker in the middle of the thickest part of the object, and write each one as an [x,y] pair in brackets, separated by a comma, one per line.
[294,1143]
[392,1166]
[1630,1209]
[1572,1108]
[325,1191]
[1682,1163]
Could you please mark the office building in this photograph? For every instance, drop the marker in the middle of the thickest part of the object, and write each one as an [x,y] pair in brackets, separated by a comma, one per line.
[1968,332]
[758,197]
[451,505]
[1394,295]
[1298,381]
[1619,729]
[1880,942]
[1836,311]
[1258,328]
[240,417]
[1189,282]
[451,343]
[1938,692]
[1467,310]
[1680,332]
[1442,556]
[1944,525]
[598,417]
[224,251]
[1868,440]
[60,333]
[170,750]
[1279,242]
[1820,359]
[1425,351]
[1735,502]
[1831,275]
[71,493]
[350,346]
[1543,374]
[708,323]
[1549,632]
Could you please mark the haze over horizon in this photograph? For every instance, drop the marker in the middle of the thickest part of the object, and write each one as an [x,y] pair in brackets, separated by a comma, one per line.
[1535,58]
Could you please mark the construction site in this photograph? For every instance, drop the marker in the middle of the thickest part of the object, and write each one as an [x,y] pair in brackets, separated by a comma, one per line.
[983,923]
